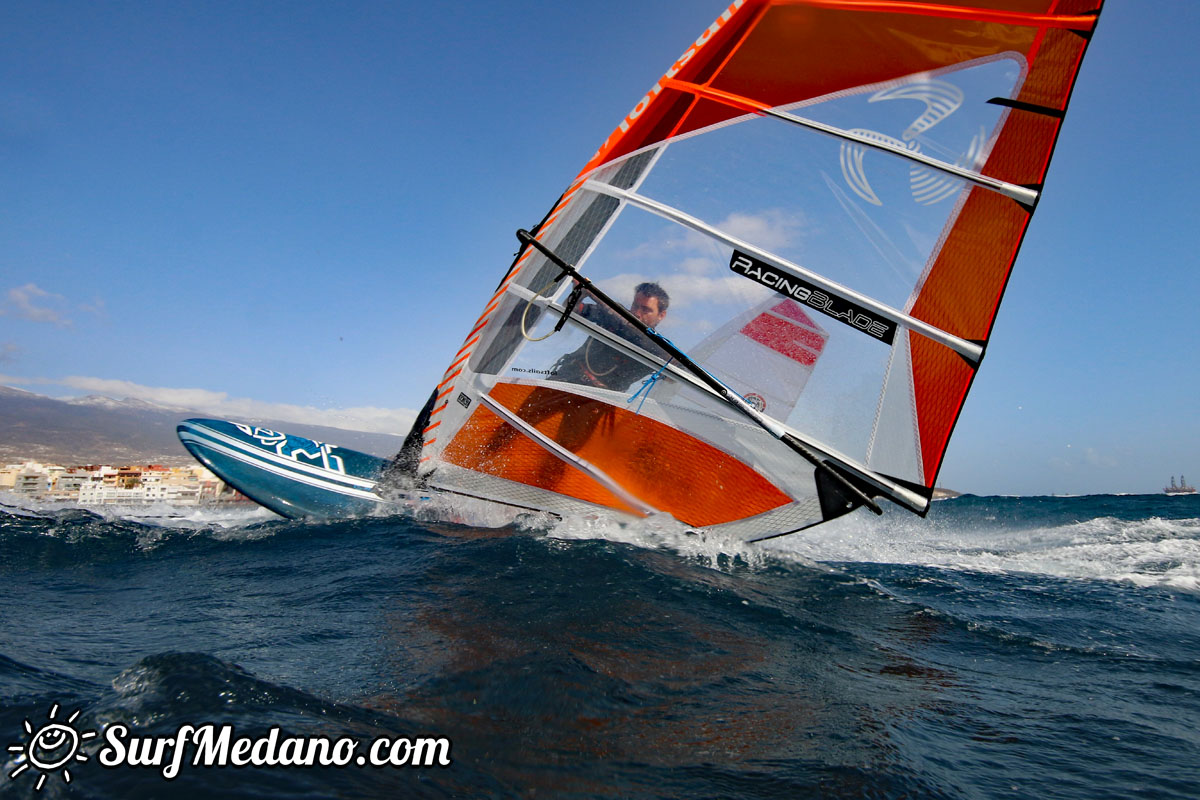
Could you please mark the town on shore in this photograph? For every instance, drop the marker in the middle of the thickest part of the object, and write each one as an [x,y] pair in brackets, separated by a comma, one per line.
[105,484]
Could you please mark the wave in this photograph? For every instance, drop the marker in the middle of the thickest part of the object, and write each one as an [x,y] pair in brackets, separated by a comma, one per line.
[1049,536]
[164,514]
[1151,551]
[1137,539]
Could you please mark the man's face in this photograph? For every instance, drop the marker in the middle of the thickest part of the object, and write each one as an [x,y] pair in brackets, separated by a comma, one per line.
[646,309]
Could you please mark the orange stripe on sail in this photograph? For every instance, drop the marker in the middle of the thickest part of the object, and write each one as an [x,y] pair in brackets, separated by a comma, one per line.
[476,329]
[459,361]
[465,346]
[728,98]
[450,378]
[479,323]
[491,306]
[431,427]
[1083,22]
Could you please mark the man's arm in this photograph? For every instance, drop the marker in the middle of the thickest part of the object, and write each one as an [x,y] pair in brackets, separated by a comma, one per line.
[600,314]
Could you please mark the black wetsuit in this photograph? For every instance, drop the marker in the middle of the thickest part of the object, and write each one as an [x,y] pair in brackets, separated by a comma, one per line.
[596,363]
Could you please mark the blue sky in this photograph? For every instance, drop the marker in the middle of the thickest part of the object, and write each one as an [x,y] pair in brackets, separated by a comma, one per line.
[298,209]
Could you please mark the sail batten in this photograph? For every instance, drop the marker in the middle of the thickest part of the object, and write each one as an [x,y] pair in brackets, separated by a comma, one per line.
[549,445]
[969,350]
[1025,195]
[898,493]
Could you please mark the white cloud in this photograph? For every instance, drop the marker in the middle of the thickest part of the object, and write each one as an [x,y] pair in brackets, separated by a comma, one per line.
[705,261]
[35,304]
[699,265]
[220,404]
[199,399]
[773,229]
[696,289]
[96,307]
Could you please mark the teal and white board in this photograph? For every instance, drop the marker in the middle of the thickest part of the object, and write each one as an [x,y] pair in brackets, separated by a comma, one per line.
[293,476]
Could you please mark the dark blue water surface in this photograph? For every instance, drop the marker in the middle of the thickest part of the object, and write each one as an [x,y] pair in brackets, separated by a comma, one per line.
[1003,647]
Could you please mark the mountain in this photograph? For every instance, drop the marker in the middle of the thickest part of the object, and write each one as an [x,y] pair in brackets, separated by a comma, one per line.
[100,430]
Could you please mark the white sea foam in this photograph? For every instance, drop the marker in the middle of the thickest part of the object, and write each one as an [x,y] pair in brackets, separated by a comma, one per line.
[1148,552]
[164,515]
[663,532]
[462,510]
[1153,551]
[224,515]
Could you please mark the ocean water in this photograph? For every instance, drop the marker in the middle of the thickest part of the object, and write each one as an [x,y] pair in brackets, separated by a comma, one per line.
[1001,648]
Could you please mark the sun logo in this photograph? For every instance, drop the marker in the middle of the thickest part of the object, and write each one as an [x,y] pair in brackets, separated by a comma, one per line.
[941,99]
[51,748]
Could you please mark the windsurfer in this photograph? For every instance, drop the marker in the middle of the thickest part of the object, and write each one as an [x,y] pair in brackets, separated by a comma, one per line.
[570,419]
[596,364]
[593,364]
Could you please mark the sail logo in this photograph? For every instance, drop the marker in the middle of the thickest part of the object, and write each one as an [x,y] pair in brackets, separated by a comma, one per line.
[756,401]
[305,451]
[814,297]
[941,99]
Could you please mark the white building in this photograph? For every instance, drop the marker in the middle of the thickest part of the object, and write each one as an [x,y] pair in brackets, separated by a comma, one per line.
[33,479]
[95,485]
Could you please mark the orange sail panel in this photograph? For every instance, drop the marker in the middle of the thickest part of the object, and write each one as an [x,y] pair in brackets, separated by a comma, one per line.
[669,470]
[779,53]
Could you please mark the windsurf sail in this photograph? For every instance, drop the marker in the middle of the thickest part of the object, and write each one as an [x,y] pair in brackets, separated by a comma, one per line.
[762,303]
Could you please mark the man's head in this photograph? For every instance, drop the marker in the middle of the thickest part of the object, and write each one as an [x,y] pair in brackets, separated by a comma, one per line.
[650,303]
